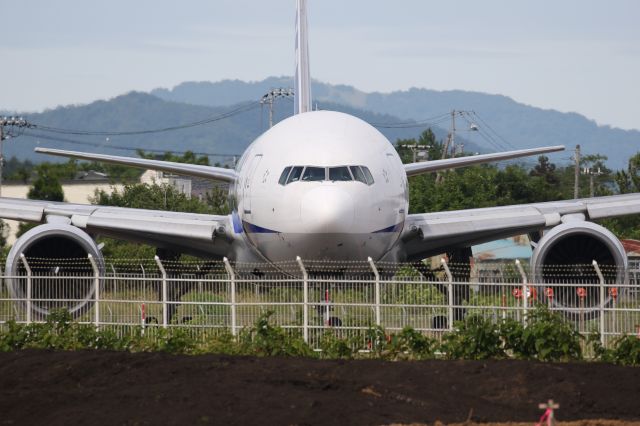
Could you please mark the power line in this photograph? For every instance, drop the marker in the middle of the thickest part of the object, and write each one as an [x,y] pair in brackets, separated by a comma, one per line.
[432,121]
[228,114]
[119,147]
[485,124]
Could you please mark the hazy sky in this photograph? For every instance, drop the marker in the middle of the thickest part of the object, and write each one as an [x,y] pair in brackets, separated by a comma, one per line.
[569,55]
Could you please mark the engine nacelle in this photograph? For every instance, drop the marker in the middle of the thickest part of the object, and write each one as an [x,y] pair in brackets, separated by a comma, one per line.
[62,275]
[565,255]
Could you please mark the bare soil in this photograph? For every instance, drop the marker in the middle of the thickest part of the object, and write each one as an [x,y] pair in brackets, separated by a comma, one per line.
[115,388]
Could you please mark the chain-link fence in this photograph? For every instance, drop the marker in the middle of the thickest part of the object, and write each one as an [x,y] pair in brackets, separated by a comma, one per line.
[312,297]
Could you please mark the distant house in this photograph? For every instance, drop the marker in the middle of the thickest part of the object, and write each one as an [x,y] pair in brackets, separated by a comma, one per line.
[190,186]
[182,184]
[489,259]
[91,175]
[507,250]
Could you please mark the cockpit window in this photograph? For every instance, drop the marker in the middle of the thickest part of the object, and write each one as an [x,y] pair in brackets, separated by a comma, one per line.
[367,175]
[283,176]
[357,173]
[313,174]
[339,173]
[294,176]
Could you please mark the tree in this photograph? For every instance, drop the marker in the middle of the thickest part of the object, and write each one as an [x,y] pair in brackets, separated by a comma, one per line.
[426,141]
[46,186]
[546,181]
[629,181]
[154,197]
[187,157]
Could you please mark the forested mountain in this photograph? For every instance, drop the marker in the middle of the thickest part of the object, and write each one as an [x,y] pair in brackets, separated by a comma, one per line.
[140,111]
[513,124]
[504,123]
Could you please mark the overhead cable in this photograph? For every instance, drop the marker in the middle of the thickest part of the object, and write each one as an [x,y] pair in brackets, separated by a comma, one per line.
[236,111]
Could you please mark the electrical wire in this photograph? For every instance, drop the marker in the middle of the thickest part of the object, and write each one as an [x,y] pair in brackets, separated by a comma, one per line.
[119,147]
[428,122]
[228,114]
[485,124]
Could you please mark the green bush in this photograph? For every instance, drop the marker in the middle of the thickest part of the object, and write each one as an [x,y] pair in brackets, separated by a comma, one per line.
[626,350]
[264,339]
[411,344]
[224,343]
[59,332]
[333,347]
[547,336]
[474,338]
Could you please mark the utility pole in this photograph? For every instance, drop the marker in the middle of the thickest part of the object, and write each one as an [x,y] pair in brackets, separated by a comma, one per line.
[271,96]
[453,133]
[418,150]
[450,137]
[450,141]
[592,173]
[576,180]
[8,121]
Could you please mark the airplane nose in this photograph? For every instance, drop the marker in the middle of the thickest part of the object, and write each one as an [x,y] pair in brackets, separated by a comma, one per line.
[327,210]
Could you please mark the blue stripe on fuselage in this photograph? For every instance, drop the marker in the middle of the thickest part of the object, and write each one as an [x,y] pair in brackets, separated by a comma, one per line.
[235,220]
[255,229]
[394,228]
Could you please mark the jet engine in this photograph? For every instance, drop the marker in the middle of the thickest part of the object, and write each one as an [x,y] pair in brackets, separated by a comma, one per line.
[62,275]
[562,264]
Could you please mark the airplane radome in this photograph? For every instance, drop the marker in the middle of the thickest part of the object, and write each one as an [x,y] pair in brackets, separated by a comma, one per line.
[321,185]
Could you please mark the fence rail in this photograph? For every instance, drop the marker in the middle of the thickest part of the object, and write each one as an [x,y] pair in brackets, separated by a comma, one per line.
[312,298]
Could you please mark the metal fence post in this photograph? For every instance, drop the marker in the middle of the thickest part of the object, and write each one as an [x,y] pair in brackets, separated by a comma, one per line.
[602,296]
[305,300]
[525,292]
[28,268]
[232,290]
[449,291]
[96,289]
[377,288]
[164,292]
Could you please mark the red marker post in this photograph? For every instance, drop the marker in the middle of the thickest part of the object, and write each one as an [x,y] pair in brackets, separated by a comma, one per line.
[548,417]
[582,294]
[517,293]
[548,292]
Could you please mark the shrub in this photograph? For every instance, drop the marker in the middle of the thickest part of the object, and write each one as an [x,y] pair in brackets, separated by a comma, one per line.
[626,350]
[547,337]
[333,347]
[411,344]
[474,338]
[264,339]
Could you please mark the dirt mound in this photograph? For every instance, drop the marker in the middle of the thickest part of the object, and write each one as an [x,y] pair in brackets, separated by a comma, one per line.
[110,388]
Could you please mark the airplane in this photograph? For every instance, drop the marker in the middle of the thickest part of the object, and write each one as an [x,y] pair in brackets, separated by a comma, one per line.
[320,185]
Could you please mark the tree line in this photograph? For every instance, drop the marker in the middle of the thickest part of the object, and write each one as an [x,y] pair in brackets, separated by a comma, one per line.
[490,185]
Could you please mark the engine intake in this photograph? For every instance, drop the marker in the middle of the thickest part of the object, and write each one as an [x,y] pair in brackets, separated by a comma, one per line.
[565,255]
[62,275]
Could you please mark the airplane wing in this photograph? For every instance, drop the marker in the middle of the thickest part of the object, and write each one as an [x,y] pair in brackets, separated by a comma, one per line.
[413,169]
[215,173]
[198,234]
[427,234]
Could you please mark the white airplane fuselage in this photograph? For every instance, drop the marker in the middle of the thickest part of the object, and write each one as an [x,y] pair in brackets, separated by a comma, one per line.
[324,206]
